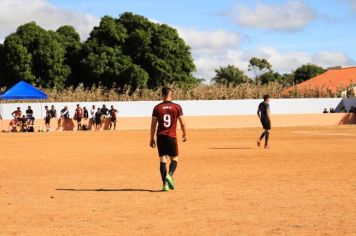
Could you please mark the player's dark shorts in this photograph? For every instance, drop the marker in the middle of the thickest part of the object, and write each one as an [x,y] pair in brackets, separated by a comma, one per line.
[266,124]
[167,146]
[79,119]
[98,121]
[47,120]
[113,119]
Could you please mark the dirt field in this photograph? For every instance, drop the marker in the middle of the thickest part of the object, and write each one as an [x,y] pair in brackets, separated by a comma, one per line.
[106,183]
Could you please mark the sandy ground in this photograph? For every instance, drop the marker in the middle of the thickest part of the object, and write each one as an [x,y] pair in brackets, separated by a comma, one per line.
[106,183]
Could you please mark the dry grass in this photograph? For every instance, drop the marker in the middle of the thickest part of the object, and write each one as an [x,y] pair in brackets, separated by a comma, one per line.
[200,92]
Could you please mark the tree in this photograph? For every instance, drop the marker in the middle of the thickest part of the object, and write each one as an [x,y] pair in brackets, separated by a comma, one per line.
[306,72]
[259,67]
[270,77]
[131,48]
[230,75]
[36,56]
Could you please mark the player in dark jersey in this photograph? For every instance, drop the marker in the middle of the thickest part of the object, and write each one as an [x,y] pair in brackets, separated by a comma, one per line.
[263,113]
[166,115]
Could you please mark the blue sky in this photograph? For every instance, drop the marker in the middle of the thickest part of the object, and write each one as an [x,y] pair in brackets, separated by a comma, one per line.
[287,33]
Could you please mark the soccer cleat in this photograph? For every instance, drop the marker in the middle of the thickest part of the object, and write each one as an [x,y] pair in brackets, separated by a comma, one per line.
[258,143]
[170,182]
[165,188]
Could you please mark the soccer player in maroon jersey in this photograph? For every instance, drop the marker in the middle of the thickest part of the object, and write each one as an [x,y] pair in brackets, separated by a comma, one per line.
[166,115]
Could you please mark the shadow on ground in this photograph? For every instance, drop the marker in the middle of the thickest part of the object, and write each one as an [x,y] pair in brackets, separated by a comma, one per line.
[108,190]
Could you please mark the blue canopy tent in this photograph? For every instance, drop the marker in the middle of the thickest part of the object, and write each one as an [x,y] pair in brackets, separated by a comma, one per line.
[23,91]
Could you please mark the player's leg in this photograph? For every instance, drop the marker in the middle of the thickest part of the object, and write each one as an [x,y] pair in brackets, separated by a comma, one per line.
[163,171]
[115,124]
[173,165]
[267,139]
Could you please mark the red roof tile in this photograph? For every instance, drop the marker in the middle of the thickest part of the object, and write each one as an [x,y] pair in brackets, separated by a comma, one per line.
[333,80]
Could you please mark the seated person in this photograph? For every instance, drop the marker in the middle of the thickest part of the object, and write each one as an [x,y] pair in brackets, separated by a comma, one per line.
[13,125]
[29,116]
[17,114]
[325,111]
[23,124]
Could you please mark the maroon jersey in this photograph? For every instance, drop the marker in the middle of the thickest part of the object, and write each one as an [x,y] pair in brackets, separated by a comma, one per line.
[167,114]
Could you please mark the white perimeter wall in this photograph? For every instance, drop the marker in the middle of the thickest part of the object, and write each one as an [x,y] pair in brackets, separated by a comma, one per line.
[196,108]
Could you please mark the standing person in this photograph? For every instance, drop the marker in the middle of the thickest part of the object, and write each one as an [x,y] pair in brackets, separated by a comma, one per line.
[48,119]
[53,112]
[105,114]
[92,113]
[78,116]
[85,113]
[263,113]
[113,113]
[98,115]
[29,116]
[17,114]
[65,113]
[166,115]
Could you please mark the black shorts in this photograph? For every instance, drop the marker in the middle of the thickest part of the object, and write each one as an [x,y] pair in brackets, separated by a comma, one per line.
[266,124]
[167,146]
[113,119]
[47,120]
[79,119]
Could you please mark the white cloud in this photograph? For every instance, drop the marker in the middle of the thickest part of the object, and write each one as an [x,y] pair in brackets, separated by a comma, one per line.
[209,40]
[17,12]
[288,61]
[290,16]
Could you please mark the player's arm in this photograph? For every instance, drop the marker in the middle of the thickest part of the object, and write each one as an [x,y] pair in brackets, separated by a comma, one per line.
[153,131]
[258,113]
[183,127]
[268,115]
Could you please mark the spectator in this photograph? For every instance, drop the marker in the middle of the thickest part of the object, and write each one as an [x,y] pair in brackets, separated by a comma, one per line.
[48,119]
[53,112]
[65,113]
[325,111]
[85,113]
[113,113]
[352,109]
[17,114]
[78,115]
[105,114]
[92,113]
[23,124]
[98,115]
[343,109]
[332,110]
[29,116]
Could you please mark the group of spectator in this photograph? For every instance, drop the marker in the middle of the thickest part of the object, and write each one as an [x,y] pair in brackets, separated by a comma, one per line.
[97,116]
[342,110]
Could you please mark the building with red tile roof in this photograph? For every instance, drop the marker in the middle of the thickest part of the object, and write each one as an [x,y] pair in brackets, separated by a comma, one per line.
[338,80]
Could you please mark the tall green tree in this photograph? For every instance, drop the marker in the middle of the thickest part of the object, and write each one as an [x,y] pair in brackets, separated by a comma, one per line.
[259,67]
[35,55]
[133,44]
[230,76]
[306,72]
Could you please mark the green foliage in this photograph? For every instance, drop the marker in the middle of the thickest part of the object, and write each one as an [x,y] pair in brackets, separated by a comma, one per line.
[127,52]
[133,52]
[230,76]
[259,67]
[36,56]
[306,72]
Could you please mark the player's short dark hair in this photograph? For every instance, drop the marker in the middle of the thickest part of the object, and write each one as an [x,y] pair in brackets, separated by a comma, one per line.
[265,97]
[165,91]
